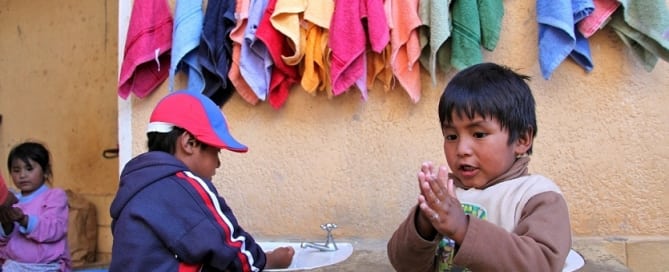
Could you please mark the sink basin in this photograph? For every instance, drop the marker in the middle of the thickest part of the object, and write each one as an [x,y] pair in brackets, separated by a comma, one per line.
[574,261]
[310,258]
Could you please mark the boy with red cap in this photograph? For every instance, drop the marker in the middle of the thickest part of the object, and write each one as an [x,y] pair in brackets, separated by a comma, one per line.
[167,215]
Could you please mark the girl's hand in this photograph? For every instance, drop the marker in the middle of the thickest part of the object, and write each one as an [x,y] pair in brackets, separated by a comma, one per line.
[9,201]
[10,214]
[441,206]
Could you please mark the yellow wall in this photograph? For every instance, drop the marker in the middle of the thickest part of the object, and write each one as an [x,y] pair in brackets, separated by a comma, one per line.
[602,137]
[58,86]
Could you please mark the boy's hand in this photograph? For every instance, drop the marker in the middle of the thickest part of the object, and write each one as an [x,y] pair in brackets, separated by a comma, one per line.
[439,204]
[280,257]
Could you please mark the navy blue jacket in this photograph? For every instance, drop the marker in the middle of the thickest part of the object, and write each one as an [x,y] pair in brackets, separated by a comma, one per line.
[164,218]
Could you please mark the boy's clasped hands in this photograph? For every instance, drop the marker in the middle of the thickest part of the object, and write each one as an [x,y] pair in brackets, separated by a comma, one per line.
[440,209]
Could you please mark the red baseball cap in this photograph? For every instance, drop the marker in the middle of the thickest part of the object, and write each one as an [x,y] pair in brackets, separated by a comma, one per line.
[198,115]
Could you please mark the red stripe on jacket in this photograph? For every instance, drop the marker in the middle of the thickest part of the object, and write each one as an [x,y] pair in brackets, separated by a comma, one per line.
[203,192]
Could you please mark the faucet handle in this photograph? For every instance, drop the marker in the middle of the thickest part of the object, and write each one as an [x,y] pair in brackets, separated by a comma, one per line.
[328,227]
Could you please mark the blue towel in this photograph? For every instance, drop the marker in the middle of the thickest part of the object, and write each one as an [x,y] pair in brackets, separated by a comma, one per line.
[188,20]
[558,37]
[215,53]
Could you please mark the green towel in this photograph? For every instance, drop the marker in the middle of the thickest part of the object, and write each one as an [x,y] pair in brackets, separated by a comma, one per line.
[475,23]
[433,34]
[643,25]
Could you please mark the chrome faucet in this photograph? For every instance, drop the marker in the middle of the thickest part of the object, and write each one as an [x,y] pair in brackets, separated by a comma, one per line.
[329,245]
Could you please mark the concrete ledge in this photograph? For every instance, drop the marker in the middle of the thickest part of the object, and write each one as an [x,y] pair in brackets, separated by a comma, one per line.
[611,254]
[602,254]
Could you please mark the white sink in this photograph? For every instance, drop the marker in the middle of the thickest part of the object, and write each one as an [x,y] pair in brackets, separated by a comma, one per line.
[310,258]
[574,261]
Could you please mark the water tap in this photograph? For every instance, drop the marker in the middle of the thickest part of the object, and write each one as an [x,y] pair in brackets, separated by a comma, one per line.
[329,244]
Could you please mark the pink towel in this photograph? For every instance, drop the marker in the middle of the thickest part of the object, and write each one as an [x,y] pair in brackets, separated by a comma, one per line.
[348,41]
[146,59]
[598,18]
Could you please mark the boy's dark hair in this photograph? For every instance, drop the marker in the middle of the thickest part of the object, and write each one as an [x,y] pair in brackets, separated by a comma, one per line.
[165,142]
[492,91]
[31,151]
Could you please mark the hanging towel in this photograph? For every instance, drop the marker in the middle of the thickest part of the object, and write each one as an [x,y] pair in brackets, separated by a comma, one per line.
[558,37]
[379,67]
[436,30]
[644,27]
[255,62]
[378,52]
[373,13]
[491,13]
[188,19]
[283,76]
[314,69]
[319,12]
[475,23]
[237,37]
[406,46]
[348,41]
[286,19]
[215,52]
[146,57]
[598,18]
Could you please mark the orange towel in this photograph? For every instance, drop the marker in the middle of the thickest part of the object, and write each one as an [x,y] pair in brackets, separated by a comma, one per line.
[406,46]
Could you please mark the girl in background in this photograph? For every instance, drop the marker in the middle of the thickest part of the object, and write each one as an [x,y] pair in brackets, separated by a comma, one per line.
[33,236]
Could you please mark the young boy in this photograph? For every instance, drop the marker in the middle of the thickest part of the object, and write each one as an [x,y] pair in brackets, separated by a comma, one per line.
[167,215]
[488,213]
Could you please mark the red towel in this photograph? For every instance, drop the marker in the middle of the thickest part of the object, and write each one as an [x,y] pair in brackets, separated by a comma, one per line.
[146,61]
[284,76]
[598,18]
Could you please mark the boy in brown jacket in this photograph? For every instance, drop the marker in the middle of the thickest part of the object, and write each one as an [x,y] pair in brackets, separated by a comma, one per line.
[488,213]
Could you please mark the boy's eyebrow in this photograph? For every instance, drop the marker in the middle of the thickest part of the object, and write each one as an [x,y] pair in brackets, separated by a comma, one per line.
[476,123]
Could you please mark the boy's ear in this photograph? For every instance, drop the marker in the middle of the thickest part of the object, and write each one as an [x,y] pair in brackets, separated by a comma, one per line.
[185,143]
[524,142]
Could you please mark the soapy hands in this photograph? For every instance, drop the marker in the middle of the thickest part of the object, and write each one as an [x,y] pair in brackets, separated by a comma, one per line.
[280,257]
[439,206]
